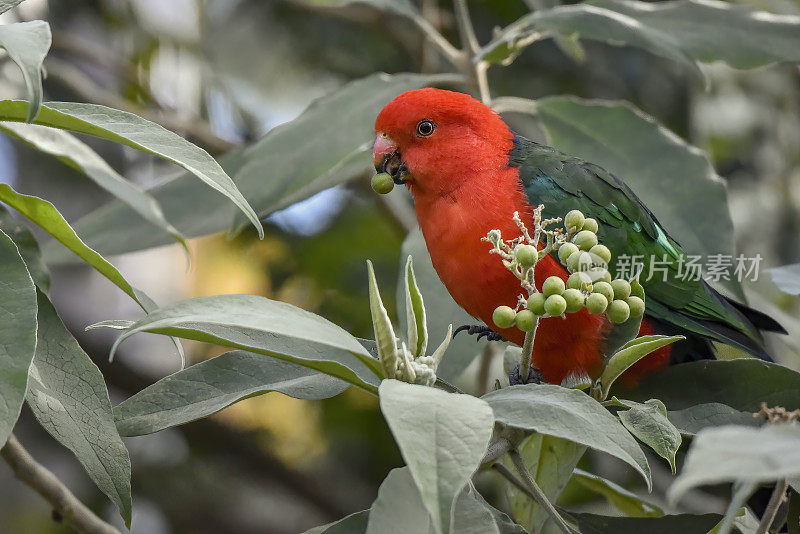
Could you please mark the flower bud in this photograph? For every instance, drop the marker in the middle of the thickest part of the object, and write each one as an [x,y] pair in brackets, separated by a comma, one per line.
[622,289]
[382,183]
[525,320]
[596,303]
[503,317]
[536,303]
[574,299]
[555,305]
[553,286]
[618,311]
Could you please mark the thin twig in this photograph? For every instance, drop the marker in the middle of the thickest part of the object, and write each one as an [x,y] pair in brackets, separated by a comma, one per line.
[497,448]
[775,502]
[476,68]
[450,52]
[536,491]
[46,484]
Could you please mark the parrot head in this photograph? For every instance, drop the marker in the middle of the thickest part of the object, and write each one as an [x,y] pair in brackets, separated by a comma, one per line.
[435,141]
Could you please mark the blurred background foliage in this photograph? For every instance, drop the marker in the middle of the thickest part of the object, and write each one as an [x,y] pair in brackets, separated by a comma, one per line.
[225,72]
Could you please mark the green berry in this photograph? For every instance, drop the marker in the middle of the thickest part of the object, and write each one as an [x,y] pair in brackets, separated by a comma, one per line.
[577,280]
[574,219]
[596,303]
[605,289]
[574,261]
[566,250]
[637,290]
[585,239]
[553,286]
[525,320]
[574,299]
[382,183]
[618,311]
[590,225]
[555,305]
[536,303]
[636,305]
[622,289]
[526,255]
[601,251]
[504,316]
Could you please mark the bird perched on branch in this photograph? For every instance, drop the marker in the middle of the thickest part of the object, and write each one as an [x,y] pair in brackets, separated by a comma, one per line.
[468,174]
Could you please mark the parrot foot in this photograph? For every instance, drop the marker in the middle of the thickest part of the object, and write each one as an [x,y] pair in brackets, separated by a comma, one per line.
[482,330]
[534,377]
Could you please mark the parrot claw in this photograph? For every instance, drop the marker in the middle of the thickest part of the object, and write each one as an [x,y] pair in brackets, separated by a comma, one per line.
[534,377]
[482,331]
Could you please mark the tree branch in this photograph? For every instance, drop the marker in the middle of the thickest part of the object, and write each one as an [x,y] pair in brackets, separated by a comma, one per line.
[775,502]
[46,484]
[474,66]
[536,493]
[450,52]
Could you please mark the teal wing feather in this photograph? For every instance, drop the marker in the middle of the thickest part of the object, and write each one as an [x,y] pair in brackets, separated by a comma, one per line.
[561,183]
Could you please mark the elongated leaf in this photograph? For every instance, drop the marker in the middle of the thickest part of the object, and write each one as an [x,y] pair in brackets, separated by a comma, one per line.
[214,384]
[265,326]
[328,144]
[441,309]
[352,524]
[78,154]
[629,354]
[17,333]
[442,437]
[623,500]
[473,515]
[28,248]
[709,30]
[737,453]
[693,419]
[141,134]
[668,524]
[68,396]
[569,414]
[674,179]
[27,44]
[399,507]
[46,216]
[743,384]
[385,340]
[649,423]
[415,313]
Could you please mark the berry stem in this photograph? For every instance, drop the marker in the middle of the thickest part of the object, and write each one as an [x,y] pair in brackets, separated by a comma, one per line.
[527,353]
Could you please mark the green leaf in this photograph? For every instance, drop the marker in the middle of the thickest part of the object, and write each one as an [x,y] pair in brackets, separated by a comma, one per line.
[328,144]
[28,248]
[17,332]
[709,31]
[675,180]
[46,216]
[79,155]
[629,354]
[68,396]
[442,437]
[27,44]
[741,492]
[649,423]
[415,313]
[5,5]
[399,507]
[691,420]
[352,524]
[588,22]
[441,311]
[787,278]
[668,524]
[385,340]
[141,134]
[738,453]
[214,384]
[473,515]
[623,500]
[264,326]
[743,384]
[569,414]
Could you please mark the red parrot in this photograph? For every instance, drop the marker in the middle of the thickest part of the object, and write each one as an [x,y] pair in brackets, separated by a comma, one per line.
[468,173]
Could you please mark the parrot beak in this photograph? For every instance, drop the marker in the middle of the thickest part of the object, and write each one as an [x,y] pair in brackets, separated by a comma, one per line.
[387,159]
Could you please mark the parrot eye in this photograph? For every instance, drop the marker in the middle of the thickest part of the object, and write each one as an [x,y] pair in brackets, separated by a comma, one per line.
[425,128]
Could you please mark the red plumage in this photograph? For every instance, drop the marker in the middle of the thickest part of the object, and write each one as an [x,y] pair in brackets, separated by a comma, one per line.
[463,187]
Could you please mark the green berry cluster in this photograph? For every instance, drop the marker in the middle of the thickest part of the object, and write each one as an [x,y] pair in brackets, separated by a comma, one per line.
[589,285]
